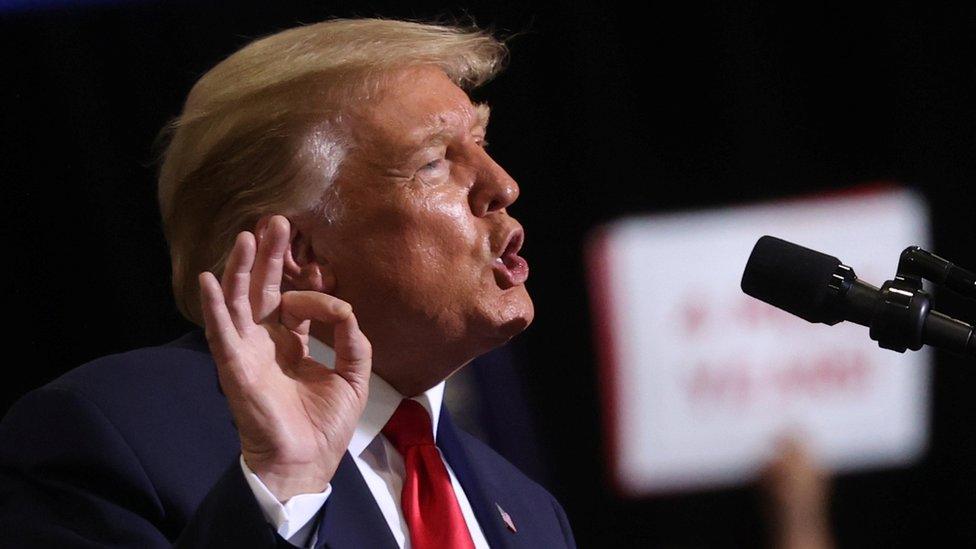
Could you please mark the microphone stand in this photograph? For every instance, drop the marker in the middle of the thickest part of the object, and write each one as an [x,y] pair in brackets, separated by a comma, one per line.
[903,318]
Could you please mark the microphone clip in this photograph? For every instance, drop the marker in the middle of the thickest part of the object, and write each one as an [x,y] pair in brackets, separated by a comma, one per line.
[899,319]
[916,262]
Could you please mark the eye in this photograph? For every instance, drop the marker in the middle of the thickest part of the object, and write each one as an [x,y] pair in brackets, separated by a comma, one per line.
[435,170]
[432,165]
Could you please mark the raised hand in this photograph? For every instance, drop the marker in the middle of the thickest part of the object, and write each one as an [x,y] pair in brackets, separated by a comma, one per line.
[798,498]
[294,415]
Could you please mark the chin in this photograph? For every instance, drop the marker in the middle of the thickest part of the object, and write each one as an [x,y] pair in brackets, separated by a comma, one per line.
[513,315]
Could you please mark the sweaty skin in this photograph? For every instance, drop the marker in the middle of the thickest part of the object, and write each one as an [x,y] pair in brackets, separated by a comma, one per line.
[412,259]
[421,224]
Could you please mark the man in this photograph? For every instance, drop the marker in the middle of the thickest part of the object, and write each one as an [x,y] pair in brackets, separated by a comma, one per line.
[336,176]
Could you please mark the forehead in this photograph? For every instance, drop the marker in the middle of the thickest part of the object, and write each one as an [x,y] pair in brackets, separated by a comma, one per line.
[411,105]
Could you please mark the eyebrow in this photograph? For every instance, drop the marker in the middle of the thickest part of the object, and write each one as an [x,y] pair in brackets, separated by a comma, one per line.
[439,135]
[482,112]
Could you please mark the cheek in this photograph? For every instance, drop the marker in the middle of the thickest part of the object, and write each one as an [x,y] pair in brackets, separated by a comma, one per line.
[443,236]
[421,244]
[430,260]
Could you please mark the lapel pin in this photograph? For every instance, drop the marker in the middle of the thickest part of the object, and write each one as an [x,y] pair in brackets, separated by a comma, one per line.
[506,518]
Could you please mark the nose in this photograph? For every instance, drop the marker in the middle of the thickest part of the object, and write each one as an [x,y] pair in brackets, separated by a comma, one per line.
[493,190]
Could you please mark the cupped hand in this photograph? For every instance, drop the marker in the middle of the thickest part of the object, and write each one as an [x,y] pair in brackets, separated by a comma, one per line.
[295,416]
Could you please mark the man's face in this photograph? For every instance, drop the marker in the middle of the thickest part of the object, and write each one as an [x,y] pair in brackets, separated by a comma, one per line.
[424,248]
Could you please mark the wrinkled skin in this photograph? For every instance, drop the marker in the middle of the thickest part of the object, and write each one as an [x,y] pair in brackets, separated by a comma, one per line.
[294,416]
[411,260]
[419,229]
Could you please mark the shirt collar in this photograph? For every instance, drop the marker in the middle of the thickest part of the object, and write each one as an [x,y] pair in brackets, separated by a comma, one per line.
[383,400]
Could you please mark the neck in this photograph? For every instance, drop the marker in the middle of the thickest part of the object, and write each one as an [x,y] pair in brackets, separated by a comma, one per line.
[410,369]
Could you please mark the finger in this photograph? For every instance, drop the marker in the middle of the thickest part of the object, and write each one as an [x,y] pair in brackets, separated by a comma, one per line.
[353,351]
[297,325]
[222,335]
[236,280]
[298,306]
[265,287]
[354,354]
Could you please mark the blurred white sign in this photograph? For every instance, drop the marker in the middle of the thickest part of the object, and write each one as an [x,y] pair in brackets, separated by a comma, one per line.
[699,379]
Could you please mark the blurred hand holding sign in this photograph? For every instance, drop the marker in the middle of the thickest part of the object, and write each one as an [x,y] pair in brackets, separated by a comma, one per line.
[699,379]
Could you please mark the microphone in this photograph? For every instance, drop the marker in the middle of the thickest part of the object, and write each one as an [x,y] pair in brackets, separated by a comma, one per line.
[819,288]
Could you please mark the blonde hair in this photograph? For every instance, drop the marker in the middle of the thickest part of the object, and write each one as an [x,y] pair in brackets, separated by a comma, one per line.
[250,126]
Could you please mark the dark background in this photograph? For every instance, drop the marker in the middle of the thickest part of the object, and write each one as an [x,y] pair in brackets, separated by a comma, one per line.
[602,112]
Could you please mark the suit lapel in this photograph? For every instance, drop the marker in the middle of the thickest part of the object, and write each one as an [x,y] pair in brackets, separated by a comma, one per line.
[351,517]
[480,491]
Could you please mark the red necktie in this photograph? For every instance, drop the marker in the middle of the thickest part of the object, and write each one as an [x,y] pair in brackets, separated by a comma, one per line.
[429,504]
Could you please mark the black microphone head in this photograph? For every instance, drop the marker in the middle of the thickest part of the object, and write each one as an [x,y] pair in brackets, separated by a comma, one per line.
[792,278]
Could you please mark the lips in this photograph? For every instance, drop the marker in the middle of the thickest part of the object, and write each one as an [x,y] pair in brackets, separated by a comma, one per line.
[511,269]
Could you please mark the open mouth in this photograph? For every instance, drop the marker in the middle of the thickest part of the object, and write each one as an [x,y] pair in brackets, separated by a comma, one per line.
[510,268]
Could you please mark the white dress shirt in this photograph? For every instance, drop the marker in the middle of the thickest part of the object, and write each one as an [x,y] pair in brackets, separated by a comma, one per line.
[380,464]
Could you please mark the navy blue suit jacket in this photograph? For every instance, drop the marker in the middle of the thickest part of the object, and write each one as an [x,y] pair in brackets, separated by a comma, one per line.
[139,449]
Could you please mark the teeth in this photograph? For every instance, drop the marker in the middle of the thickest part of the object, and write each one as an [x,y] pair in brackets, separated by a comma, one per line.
[499,260]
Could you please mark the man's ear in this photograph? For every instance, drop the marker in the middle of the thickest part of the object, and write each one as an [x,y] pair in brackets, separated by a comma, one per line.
[302,269]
